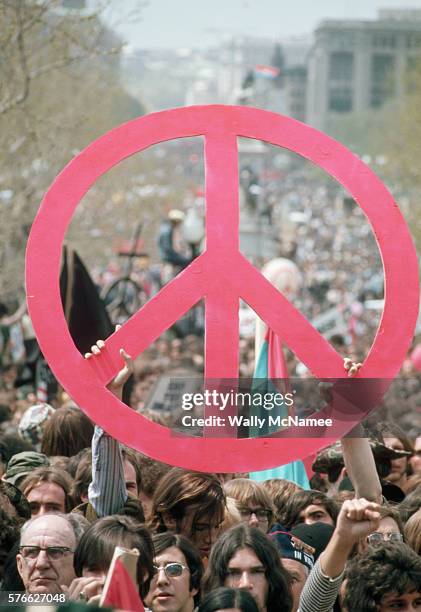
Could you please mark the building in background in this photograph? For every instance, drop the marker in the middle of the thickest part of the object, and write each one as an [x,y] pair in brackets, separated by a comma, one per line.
[357,65]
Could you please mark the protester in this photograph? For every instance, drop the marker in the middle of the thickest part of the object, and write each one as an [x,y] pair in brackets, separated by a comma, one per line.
[395,439]
[310,507]
[177,573]
[167,239]
[390,528]
[32,424]
[189,503]
[384,578]
[357,518]
[66,432]
[231,516]
[95,550]
[226,598]
[48,490]
[412,532]
[253,502]
[297,558]
[13,502]
[23,464]
[9,535]
[244,558]
[151,471]
[108,492]
[193,504]
[360,462]
[45,558]
[415,460]
[280,490]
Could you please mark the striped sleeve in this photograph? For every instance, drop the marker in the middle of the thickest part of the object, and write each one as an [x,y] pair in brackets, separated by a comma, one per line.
[107,492]
[319,591]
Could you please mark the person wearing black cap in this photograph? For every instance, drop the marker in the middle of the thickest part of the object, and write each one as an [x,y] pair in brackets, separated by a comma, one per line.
[316,535]
[296,557]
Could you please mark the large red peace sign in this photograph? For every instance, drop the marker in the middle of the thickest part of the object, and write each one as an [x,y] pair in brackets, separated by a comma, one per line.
[221,275]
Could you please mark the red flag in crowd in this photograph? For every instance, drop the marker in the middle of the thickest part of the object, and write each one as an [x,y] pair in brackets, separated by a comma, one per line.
[121,590]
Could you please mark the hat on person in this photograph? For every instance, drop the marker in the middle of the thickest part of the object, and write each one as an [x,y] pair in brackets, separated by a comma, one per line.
[290,547]
[332,456]
[176,215]
[33,419]
[22,464]
[316,535]
[390,491]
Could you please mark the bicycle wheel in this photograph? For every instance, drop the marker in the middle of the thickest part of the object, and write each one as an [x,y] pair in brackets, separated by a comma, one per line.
[122,298]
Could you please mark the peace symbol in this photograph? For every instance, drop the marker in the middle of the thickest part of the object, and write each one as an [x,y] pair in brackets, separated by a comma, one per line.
[221,275]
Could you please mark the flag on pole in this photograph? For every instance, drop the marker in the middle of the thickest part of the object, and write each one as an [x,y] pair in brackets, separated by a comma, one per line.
[271,365]
[266,72]
[121,589]
[85,312]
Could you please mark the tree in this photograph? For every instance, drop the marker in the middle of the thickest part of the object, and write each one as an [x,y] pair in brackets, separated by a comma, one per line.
[402,150]
[59,76]
[391,137]
[404,138]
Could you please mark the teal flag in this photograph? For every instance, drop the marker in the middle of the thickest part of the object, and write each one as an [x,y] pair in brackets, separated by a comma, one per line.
[271,364]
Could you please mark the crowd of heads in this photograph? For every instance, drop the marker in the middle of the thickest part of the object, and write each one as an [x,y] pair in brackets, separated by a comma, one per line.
[209,542]
[204,541]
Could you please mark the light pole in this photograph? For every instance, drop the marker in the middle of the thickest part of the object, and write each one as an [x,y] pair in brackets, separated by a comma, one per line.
[193,230]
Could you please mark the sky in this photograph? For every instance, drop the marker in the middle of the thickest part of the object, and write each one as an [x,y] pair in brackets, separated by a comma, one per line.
[202,23]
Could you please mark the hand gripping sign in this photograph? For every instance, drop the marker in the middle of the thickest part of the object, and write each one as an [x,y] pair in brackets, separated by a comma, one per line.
[221,275]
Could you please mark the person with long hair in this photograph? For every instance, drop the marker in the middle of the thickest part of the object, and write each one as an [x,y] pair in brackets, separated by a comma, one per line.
[95,551]
[226,598]
[191,504]
[244,558]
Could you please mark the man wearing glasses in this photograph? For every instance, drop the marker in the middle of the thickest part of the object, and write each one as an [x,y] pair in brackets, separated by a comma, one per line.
[45,558]
[178,571]
[389,529]
[253,502]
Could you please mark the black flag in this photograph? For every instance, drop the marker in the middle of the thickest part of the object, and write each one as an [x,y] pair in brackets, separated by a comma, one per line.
[85,312]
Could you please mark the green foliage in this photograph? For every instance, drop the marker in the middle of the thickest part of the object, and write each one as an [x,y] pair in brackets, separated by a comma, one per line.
[59,89]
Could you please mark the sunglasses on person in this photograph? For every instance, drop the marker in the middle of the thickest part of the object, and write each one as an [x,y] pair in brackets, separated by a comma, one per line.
[54,553]
[172,570]
[377,537]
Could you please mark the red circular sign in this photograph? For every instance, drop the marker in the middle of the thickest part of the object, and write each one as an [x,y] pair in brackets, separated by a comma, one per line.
[221,275]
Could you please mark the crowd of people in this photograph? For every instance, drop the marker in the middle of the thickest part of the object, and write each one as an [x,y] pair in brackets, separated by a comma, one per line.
[70,494]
